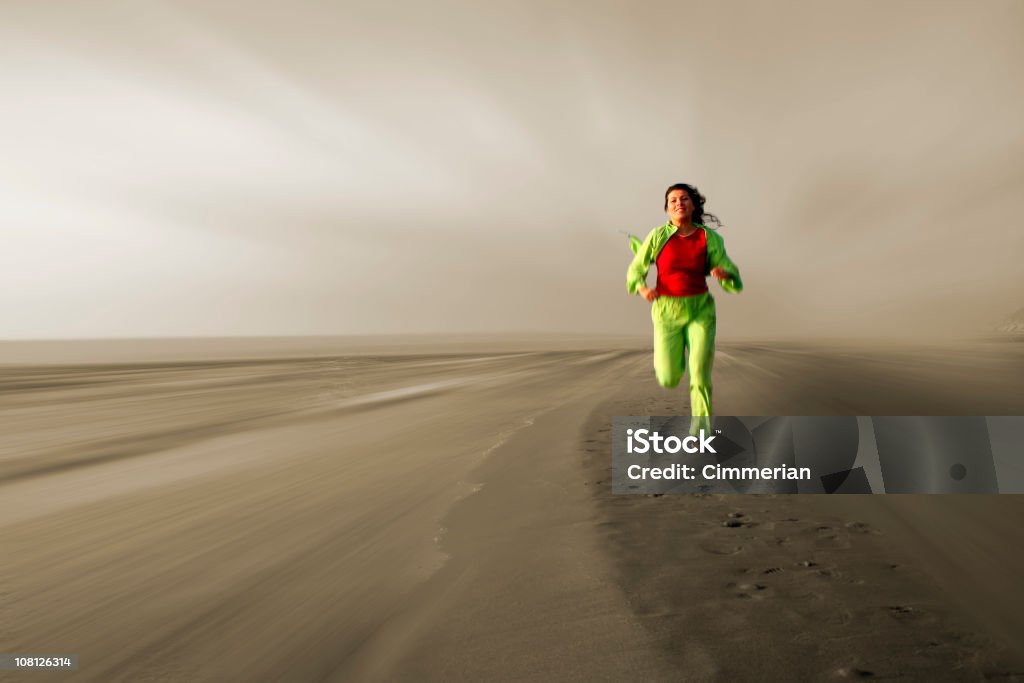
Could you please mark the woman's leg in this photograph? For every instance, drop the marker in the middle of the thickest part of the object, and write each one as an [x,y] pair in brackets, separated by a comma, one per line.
[699,336]
[668,344]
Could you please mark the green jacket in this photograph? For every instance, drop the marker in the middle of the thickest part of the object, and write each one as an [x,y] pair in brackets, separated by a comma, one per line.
[647,251]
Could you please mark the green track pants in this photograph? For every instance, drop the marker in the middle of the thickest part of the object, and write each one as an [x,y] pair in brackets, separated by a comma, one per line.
[681,324]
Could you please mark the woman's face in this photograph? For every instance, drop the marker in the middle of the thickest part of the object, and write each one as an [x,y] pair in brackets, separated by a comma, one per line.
[680,207]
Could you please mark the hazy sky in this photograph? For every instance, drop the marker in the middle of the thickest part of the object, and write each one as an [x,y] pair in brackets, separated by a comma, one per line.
[237,168]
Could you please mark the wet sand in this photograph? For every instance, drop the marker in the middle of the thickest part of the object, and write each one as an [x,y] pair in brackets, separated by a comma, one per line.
[422,515]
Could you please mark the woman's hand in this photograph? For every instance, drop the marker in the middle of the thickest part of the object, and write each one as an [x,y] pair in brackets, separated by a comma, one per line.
[648,294]
[720,273]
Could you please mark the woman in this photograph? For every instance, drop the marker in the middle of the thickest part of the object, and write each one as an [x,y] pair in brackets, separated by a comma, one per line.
[685,252]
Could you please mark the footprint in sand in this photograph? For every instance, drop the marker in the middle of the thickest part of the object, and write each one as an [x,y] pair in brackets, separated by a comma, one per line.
[736,523]
[907,613]
[736,520]
[853,672]
[830,537]
[750,591]
[720,548]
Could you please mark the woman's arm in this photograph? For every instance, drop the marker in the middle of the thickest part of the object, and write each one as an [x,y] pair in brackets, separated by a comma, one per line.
[724,270]
[636,274]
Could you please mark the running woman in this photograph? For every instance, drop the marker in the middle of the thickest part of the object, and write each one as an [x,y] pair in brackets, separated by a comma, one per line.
[686,251]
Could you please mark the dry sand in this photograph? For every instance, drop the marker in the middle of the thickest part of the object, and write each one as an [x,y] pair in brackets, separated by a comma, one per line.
[416,515]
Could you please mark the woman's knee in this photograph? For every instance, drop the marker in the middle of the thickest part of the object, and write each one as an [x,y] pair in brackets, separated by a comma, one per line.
[700,384]
[668,378]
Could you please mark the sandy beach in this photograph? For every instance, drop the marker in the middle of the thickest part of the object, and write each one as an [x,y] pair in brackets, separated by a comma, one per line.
[437,512]
[319,335]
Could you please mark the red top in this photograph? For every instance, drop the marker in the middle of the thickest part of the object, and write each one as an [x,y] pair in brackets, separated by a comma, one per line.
[681,264]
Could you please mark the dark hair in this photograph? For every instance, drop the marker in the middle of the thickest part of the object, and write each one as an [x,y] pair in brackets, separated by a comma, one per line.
[699,216]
